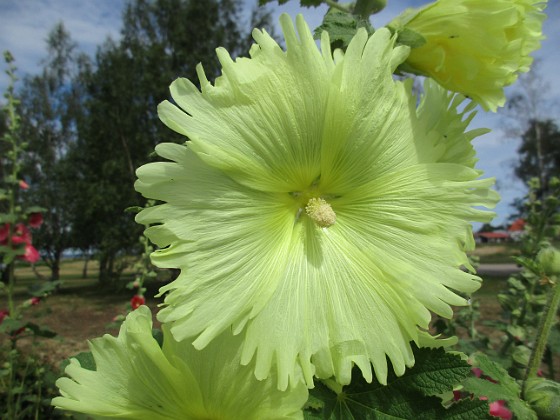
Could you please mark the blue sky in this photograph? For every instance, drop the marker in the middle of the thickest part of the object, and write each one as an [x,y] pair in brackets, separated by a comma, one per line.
[24,25]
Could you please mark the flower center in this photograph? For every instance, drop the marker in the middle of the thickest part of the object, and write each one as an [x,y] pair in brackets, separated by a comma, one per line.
[320,212]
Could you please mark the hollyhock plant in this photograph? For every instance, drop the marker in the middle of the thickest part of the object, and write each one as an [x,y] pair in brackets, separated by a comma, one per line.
[475,47]
[315,208]
[136,379]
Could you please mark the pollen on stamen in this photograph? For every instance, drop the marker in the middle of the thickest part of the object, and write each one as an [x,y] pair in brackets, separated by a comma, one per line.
[320,212]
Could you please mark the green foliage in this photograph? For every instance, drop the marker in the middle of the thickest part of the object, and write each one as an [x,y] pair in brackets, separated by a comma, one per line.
[160,41]
[503,387]
[51,105]
[25,383]
[85,358]
[341,27]
[26,387]
[412,395]
[539,154]
[544,397]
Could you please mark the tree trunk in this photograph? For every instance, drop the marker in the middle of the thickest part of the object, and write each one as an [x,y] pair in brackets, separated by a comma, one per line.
[85,268]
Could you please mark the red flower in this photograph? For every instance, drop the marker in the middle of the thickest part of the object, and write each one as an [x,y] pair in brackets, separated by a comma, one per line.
[4,234]
[34,301]
[137,301]
[23,185]
[31,254]
[3,314]
[499,409]
[21,235]
[35,220]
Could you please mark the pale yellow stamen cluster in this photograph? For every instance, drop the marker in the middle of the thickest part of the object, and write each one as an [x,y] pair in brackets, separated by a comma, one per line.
[321,212]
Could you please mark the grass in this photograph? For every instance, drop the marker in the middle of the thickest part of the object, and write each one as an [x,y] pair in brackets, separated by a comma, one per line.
[496,253]
[81,310]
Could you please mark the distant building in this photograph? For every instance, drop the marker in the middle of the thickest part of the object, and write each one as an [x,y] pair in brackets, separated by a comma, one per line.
[492,237]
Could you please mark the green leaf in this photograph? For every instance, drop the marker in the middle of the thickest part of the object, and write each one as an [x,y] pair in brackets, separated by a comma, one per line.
[40,331]
[85,358]
[158,336]
[468,410]
[7,218]
[411,38]
[341,27]
[35,209]
[405,397]
[133,209]
[310,3]
[43,288]
[303,3]
[506,387]
[434,372]
[10,325]
[529,263]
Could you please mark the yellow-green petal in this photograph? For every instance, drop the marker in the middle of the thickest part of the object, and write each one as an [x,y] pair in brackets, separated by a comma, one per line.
[323,225]
[136,379]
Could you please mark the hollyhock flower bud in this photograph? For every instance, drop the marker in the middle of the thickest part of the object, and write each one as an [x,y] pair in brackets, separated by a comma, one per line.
[35,220]
[474,47]
[544,397]
[137,301]
[549,259]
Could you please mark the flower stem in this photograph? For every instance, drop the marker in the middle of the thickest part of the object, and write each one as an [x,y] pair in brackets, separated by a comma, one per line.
[335,5]
[546,323]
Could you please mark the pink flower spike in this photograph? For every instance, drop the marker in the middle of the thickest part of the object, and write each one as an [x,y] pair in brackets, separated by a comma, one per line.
[499,409]
[35,220]
[4,230]
[23,185]
[31,254]
[34,301]
[137,301]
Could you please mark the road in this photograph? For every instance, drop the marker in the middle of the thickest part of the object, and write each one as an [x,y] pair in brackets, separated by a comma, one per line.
[497,269]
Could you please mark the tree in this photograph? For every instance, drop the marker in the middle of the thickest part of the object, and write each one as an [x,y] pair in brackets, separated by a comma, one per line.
[51,105]
[539,153]
[161,40]
[530,119]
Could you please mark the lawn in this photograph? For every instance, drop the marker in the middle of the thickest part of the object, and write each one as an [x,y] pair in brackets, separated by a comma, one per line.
[80,310]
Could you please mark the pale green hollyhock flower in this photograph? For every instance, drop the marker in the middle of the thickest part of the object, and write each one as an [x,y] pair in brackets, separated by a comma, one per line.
[136,379]
[475,47]
[314,208]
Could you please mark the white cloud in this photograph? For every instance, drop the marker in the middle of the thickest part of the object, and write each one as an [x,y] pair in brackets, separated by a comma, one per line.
[24,25]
